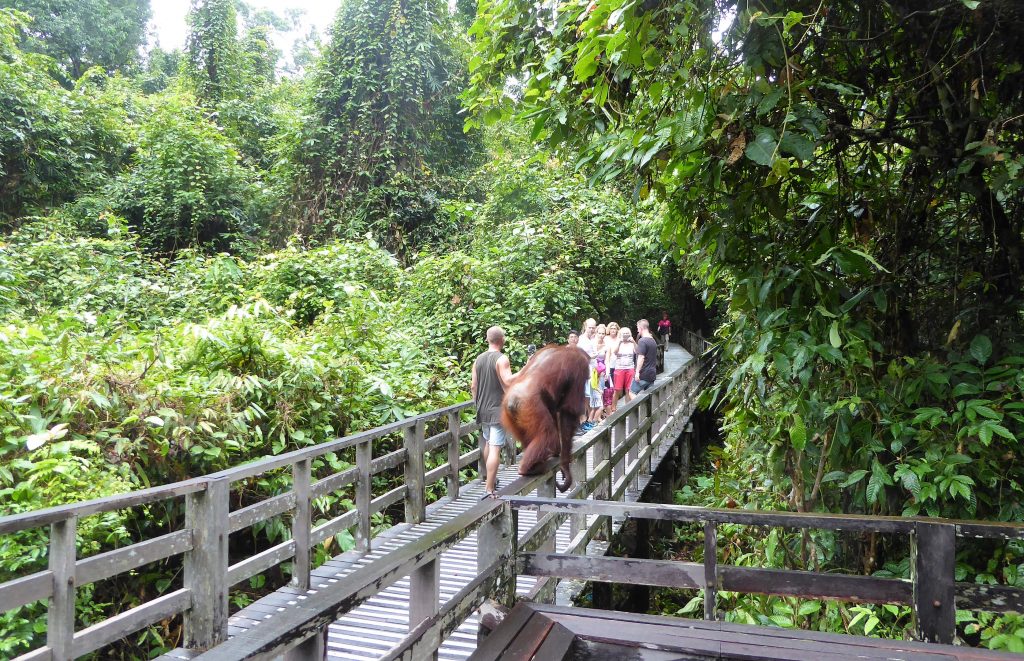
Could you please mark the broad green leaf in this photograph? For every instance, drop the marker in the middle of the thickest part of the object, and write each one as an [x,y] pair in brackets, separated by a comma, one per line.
[972,5]
[833,335]
[798,433]
[761,149]
[855,477]
[809,607]
[981,348]
[797,145]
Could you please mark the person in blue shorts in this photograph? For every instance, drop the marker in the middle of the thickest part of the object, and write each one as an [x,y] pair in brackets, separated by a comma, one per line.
[492,373]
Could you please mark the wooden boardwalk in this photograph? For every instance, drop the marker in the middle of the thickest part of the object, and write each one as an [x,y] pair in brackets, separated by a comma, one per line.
[375,627]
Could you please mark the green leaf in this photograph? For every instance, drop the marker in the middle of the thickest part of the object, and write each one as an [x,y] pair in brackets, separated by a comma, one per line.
[797,145]
[791,19]
[809,607]
[798,433]
[492,116]
[981,349]
[154,420]
[762,149]
[855,477]
[833,335]
[874,488]
[971,4]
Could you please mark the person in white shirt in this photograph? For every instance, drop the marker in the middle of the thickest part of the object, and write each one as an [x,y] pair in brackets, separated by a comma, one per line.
[588,343]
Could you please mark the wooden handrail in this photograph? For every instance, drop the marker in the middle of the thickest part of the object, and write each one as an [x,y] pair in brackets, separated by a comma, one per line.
[932,591]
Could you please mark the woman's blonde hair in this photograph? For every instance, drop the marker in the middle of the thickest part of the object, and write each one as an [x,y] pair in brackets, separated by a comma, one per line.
[624,333]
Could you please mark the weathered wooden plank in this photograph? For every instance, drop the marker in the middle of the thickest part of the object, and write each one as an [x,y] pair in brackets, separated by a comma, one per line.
[432,443]
[442,472]
[260,562]
[815,585]
[742,641]
[126,623]
[364,459]
[524,646]
[994,598]
[39,518]
[454,460]
[990,529]
[289,458]
[111,563]
[302,522]
[498,641]
[542,533]
[60,616]
[933,552]
[711,583]
[594,650]
[25,590]
[415,502]
[424,591]
[386,462]
[686,513]
[38,654]
[557,644]
[387,499]
[496,540]
[177,655]
[334,482]
[330,528]
[261,511]
[206,515]
[469,458]
[634,571]
[319,609]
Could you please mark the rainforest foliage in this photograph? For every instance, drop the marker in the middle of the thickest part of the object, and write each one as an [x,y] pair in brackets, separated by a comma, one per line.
[203,261]
[171,304]
[845,179]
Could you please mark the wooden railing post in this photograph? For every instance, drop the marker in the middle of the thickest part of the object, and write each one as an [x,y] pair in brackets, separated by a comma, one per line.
[424,594]
[546,489]
[603,487]
[206,565]
[634,447]
[619,431]
[454,426]
[302,522]
[364,481]
[496,543]
[710,570]
[415,498]
[578,522]
[60,617]
[647,417]
[933,551]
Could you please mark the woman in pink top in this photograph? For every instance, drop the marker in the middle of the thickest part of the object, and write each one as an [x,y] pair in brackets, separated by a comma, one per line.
[625,362]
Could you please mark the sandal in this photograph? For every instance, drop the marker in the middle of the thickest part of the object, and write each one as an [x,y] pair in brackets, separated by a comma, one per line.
[489,494]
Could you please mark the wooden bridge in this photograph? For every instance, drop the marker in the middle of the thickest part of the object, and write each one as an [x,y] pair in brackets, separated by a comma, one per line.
[412,591]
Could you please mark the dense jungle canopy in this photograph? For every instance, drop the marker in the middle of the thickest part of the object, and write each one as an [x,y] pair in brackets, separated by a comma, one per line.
[206,259]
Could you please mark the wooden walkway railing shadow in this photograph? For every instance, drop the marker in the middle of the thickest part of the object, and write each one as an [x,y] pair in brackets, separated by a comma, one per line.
[621,452]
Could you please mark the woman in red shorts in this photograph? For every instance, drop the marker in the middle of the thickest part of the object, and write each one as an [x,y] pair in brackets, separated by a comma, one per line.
[625,362]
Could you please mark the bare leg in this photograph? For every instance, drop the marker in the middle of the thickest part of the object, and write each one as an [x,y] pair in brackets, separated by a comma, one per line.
[492,459]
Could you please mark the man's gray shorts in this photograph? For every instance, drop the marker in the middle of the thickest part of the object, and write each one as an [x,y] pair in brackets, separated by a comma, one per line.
[493,434]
